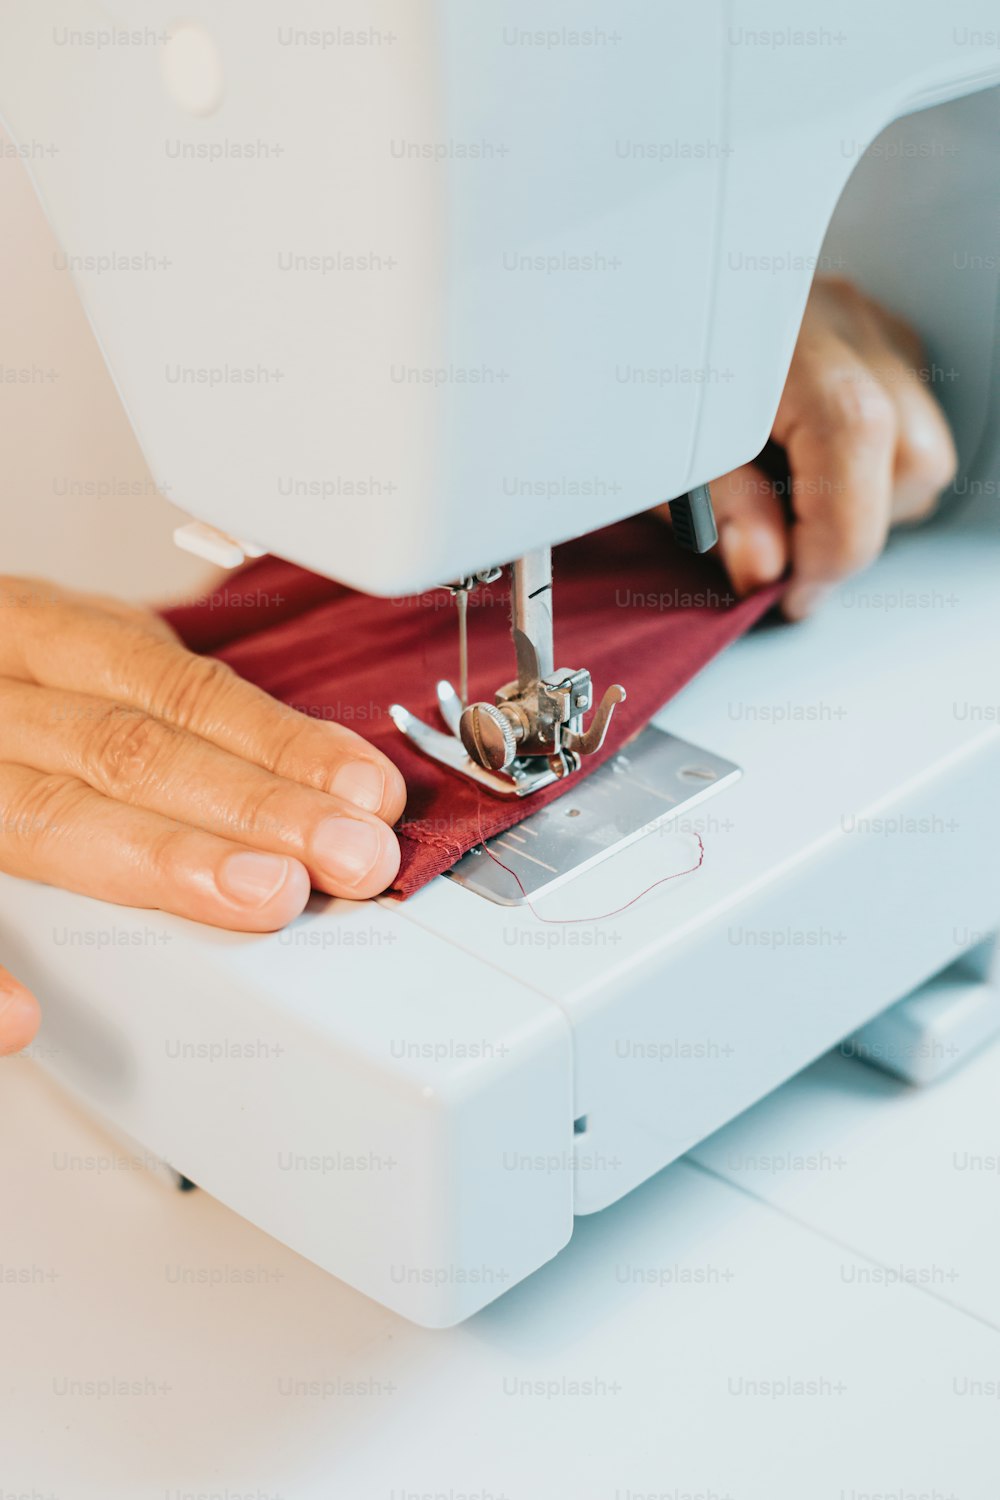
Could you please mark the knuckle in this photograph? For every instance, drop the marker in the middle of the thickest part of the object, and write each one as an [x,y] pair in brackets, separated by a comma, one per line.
[39,810]
[166,855]
[841,287]
[189,686]
[123,751]
[927,463]
[858,410]
[261,815]
[291,752]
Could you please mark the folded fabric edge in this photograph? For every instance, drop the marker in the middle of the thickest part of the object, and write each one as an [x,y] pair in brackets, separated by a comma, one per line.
[433,852]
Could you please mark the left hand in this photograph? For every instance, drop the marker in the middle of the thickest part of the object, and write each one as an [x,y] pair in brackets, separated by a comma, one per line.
[867,447]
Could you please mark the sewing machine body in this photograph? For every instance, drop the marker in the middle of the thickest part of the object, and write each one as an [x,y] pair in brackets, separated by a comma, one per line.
[421,1096]
[570,276]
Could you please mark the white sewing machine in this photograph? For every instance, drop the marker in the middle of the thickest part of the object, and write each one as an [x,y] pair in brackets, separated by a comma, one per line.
[512,278]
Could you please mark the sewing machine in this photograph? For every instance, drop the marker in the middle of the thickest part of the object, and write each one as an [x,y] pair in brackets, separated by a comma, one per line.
[509,280]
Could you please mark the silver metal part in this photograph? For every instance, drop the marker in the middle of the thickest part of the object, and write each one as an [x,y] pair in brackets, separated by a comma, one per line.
[462,605]
[489,735]
[646,785]
[533,733]
[519,780]
[586,744]
[531,616]
[461,590]
[450,706]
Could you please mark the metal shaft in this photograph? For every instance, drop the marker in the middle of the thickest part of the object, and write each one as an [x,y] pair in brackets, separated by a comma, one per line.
[531,615]
[462,603]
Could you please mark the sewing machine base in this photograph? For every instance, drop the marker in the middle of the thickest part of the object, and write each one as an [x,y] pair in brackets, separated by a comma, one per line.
[449,1084]
[652,780]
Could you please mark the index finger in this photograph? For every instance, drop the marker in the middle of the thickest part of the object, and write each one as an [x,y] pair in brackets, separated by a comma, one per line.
[63,643]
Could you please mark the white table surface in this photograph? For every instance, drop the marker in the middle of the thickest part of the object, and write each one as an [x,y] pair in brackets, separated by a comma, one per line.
[251,1373]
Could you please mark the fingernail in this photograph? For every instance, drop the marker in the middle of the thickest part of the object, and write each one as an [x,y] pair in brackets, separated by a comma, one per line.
[346,848]
[360,782]
[731,548]
[252,879]
[18,1019]
[769,550]
[753,554]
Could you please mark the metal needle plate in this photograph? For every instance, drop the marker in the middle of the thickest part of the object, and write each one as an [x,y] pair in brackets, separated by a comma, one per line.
[647,783]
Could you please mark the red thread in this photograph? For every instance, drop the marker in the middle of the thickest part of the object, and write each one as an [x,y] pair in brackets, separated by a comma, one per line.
[603,916]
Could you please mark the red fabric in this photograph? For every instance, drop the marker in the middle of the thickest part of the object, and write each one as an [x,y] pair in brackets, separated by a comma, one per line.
[629,605]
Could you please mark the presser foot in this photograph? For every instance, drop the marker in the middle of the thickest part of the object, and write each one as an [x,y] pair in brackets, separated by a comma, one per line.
[532,734]
[524,775]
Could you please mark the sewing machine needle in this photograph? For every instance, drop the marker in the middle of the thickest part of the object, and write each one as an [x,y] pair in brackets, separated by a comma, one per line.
[462,602]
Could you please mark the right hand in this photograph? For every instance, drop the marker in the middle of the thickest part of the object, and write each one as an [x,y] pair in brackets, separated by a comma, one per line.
[867,445]
[139,773]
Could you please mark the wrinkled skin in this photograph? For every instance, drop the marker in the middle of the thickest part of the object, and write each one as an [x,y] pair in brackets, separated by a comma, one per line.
[136,772]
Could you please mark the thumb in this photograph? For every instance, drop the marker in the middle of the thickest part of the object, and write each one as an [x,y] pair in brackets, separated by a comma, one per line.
[19,1014]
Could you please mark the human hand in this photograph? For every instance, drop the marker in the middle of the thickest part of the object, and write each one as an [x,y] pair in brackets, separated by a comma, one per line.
[19,1014]
[867,446]
[136,772]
